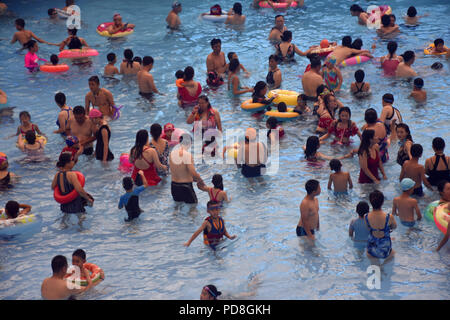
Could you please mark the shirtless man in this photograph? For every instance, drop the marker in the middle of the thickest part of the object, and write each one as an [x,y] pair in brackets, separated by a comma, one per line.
[145,79]
[404,69]
[309,211]
[215,62]
[311,80]
[357,11]
[119,25]
[183,172]
[252,155]
[345,50]
[56,287]
[99,97]
[277,31]
[173,20]
[23,36]
[83,128]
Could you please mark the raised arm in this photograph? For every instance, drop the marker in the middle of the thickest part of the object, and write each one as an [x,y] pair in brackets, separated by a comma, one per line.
[196,233]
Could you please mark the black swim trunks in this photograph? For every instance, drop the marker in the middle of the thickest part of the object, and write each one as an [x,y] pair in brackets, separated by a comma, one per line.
[183,192]
[301,231]
[88,151]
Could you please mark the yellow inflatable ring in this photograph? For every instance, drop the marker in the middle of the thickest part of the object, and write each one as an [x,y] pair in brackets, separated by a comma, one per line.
[442,217]
[232,151]
[102,30]
[248,105]
[286,96]
[38,138]
[430,48]
[283,116]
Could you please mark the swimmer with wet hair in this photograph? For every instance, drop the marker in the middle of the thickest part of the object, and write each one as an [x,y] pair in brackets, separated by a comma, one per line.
[216,193]
[418,94]
[110,68]
[339,179]
[386,26]
[79,259]
[24,36]
[302,106]
[360,88]
[439,47]
[411,16]
[357,11]
[309,211]
[404,69]
[13,210]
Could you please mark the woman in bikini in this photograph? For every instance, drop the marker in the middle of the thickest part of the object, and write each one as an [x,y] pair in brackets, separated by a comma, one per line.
[216,192]
[343,128]
[189,90]
[286,50]
[160,145]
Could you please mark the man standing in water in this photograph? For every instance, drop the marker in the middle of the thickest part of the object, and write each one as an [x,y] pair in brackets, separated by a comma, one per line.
[99,97]
[82,127]
[173,20]
[309,211]
[312,79]
[216,64]
[145,79]
[277,31]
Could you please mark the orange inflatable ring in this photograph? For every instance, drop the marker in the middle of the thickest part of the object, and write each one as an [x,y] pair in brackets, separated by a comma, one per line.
[179,83]
[63,199]
[53,68]
[95,274]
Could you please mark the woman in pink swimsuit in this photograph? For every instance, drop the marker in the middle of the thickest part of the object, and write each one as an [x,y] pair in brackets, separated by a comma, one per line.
[190,90]
[391,61]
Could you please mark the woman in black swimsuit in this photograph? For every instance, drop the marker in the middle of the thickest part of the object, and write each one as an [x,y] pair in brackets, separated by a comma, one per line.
[73,42]
[438,161]
[273,77]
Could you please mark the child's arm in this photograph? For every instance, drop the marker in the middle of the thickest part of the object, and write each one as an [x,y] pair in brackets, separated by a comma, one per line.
[26,208]
[202,186]
[144,180]
[196,233]
[20,143]
[402,172]
[320,155]
[340,79]
[226,197]
[228,235]
[325,136]
[416,207]
[88,279]
[350,182]
[79,153]
[36,128]
[330,181]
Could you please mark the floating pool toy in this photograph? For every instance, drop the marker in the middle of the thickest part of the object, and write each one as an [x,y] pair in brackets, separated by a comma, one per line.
[248,105]
[283,116]
[214,17]
[20,225]
[277,5]
[354,61]
[77,53]
[53,68]
[323,52]
[102,30]
[428,50]
[63,199]
[232,151]
[442,217]
[176,134]
[375,14]
[286,96]
[94,274]
[124,164]
[116,114]
[40,138]
[430,209]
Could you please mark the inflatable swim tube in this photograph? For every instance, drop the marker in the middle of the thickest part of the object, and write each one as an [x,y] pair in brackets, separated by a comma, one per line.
[102,30]
[430,209]
[116,114]
[375,14]
[277,5]
[323,52]
[354,61]
[77,53]
[43,139]
[442,217]
[72,195]
[248,105]
[175,139]
[124,164]
[52,68]
[20,225]
[286,96]
[232,151]
[430,48]
[214,18]
[94,271]
[283,116]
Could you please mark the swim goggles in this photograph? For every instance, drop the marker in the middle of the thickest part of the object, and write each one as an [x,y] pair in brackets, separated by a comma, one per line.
[210,292]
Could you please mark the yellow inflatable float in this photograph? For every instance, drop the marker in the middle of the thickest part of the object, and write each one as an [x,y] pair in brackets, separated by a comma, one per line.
[286,96]
[428,50]
[283,116]
[248,105]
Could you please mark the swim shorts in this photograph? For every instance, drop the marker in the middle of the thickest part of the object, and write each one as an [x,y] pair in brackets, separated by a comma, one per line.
[183,192]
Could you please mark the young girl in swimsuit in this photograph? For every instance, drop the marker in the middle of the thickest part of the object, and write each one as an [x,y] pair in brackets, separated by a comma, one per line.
[234,84]
[390,62]
[160,145]
[31,58]
[259,93]
[189,90]
[26,125]
[311,153]
[343,128]
[405,142]
[326,113]
[331,75]
[360,89]
[216,192]
[381,135]
[369,159]
[273,77]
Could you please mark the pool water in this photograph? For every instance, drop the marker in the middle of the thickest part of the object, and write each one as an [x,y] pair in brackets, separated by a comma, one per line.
[146,259]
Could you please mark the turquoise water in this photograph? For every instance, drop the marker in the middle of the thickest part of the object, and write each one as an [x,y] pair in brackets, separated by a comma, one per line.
[146,259]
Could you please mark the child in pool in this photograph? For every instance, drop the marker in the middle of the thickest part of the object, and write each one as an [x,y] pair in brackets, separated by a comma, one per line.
[131,198]
[27,125]
[411,17]
[339,179]
[414,170]
[386,27]
[5,175]
[417,93]
[231,56]
[79,259]
[74,147]
[138,59]
[302,106]
[272,124]
[404,206]
[311,153]
[358,230]
[31,58]
[12,210]
[53,60]
[331,74]
[360,88]
[33,147]
[110,68]
[216,192]
[343,128]
[213,227]
[309,211]
[438,47]
[259,93]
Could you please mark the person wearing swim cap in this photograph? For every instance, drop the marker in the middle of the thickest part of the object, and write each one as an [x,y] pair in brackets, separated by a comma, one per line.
[73,147]
[173,20]
[118,25]
[210,292]
[331,74]
[404,206]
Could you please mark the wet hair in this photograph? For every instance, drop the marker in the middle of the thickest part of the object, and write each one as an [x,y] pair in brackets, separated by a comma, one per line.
[155,131]
[311,56]
[127,183]
[79,110]
[137,59]
[326,101]
[362,208]
[356,8]
[20,22]
[30,136]
[392,47]
[147,60]
[64,158]
[312,145]
[54,59]
[376,198]
[215,41]
[357,44]
[188,73]
[60,98]
[12,209]
[25,113]
[344,109]
[405,127]
[371,116]
[393,16]
[141,141]
[80,254]
[234,65]
[408,55]
[367,135]
[274,58]
[73,31]
[320,89]
[438,42]
[412,12]
[217,181]
[437,66]
[281,107]
[179,74]
[75,42]
[69,2]
[279,15]
[258,87]
[94,79]
[111,56]
[311,186]
[30,44]
[230,55]
[211,203]
[388,98]
[128,54]
[347,41]
[416,150]
[205,97]
[59,263]
[287,36]
[212,290]
[386,20]
[272,122]
[302,97]
[51,11]
[441,185]
[237,8]
[335,165]
[359,75]
[315,63]
[438,143]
